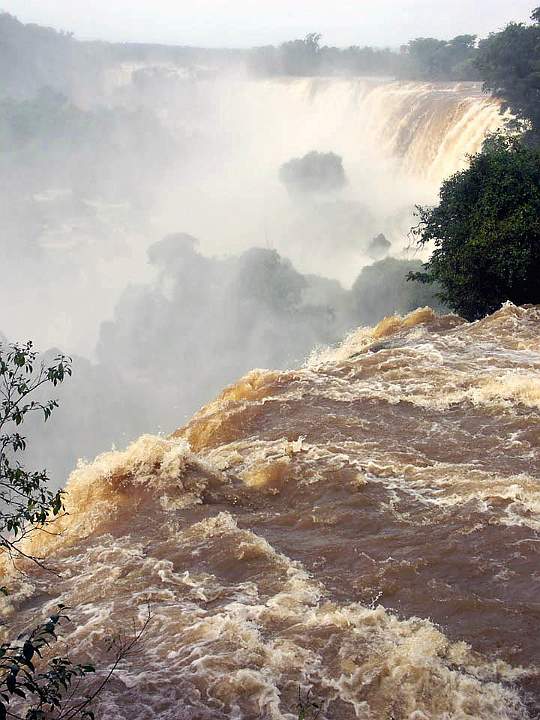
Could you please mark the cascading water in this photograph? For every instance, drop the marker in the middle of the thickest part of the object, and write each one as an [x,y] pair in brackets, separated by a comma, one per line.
[429,127]
[229,137]
[365,526]
[398,142]
[432,127]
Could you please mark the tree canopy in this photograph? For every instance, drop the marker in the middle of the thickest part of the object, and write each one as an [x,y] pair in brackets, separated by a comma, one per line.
[382,289]
[509,64]
[36,684]
[421,59]
[432,59]
[315,172]
[25,499]
[486,231]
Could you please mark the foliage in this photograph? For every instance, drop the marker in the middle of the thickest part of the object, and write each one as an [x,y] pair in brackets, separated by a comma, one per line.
[32,688]
[379,246]
[314,172]
[358,60]
[509,64]
[42,690]
[295,57]
[486,231]
[307,707]
[97,152]
[28,55]
[382,289]
[264,278]
[33,57]
[302,57]
[257,311]
[25,500]
[421,59]
[34,685]
[431,59]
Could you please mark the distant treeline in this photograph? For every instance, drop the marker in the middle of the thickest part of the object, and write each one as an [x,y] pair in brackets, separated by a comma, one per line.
[420,59]
[32,57]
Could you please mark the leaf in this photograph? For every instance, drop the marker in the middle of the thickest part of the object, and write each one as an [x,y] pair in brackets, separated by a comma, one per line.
[28,650]
[11,682]
[29,664]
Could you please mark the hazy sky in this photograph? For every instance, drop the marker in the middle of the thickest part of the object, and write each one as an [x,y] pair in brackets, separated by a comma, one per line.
[244,23]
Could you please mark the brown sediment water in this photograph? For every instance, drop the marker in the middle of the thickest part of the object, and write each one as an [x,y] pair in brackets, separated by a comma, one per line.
[365,527]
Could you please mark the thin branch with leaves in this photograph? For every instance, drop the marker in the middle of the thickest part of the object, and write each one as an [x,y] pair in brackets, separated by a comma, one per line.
[34,684]
[26,502]
[32,688]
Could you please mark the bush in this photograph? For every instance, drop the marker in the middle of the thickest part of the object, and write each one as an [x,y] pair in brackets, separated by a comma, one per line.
[314,173]
[25,499]
[379,246]
[486,231]
[431,59]
[508,63]
[382,289]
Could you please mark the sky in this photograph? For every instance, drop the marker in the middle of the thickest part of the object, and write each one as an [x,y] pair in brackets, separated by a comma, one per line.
[244,23]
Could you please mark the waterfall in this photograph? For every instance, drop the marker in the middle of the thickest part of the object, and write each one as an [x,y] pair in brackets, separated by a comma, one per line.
[398,142]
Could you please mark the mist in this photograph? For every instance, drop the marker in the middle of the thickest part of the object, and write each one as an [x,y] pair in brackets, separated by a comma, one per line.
[269,360]
[241,24]
[175,217]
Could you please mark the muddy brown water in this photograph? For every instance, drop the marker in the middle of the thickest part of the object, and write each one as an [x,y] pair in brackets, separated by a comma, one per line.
[364,528]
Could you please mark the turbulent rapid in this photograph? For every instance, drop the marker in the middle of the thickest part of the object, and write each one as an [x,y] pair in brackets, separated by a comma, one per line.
[364,527]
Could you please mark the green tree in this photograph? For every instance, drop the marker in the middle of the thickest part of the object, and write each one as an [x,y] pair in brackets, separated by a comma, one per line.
[432,59]
[424,57]
[316,172]
[25,500]
[382,289]
[509,64]
[34,684]
[485,231]
[301,57]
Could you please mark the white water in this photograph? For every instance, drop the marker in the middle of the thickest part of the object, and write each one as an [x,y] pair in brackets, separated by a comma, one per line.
[398,142]
[230,136]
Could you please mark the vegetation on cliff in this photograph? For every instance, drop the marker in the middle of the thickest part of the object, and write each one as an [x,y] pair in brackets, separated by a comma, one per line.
[485,231]
[508,63]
